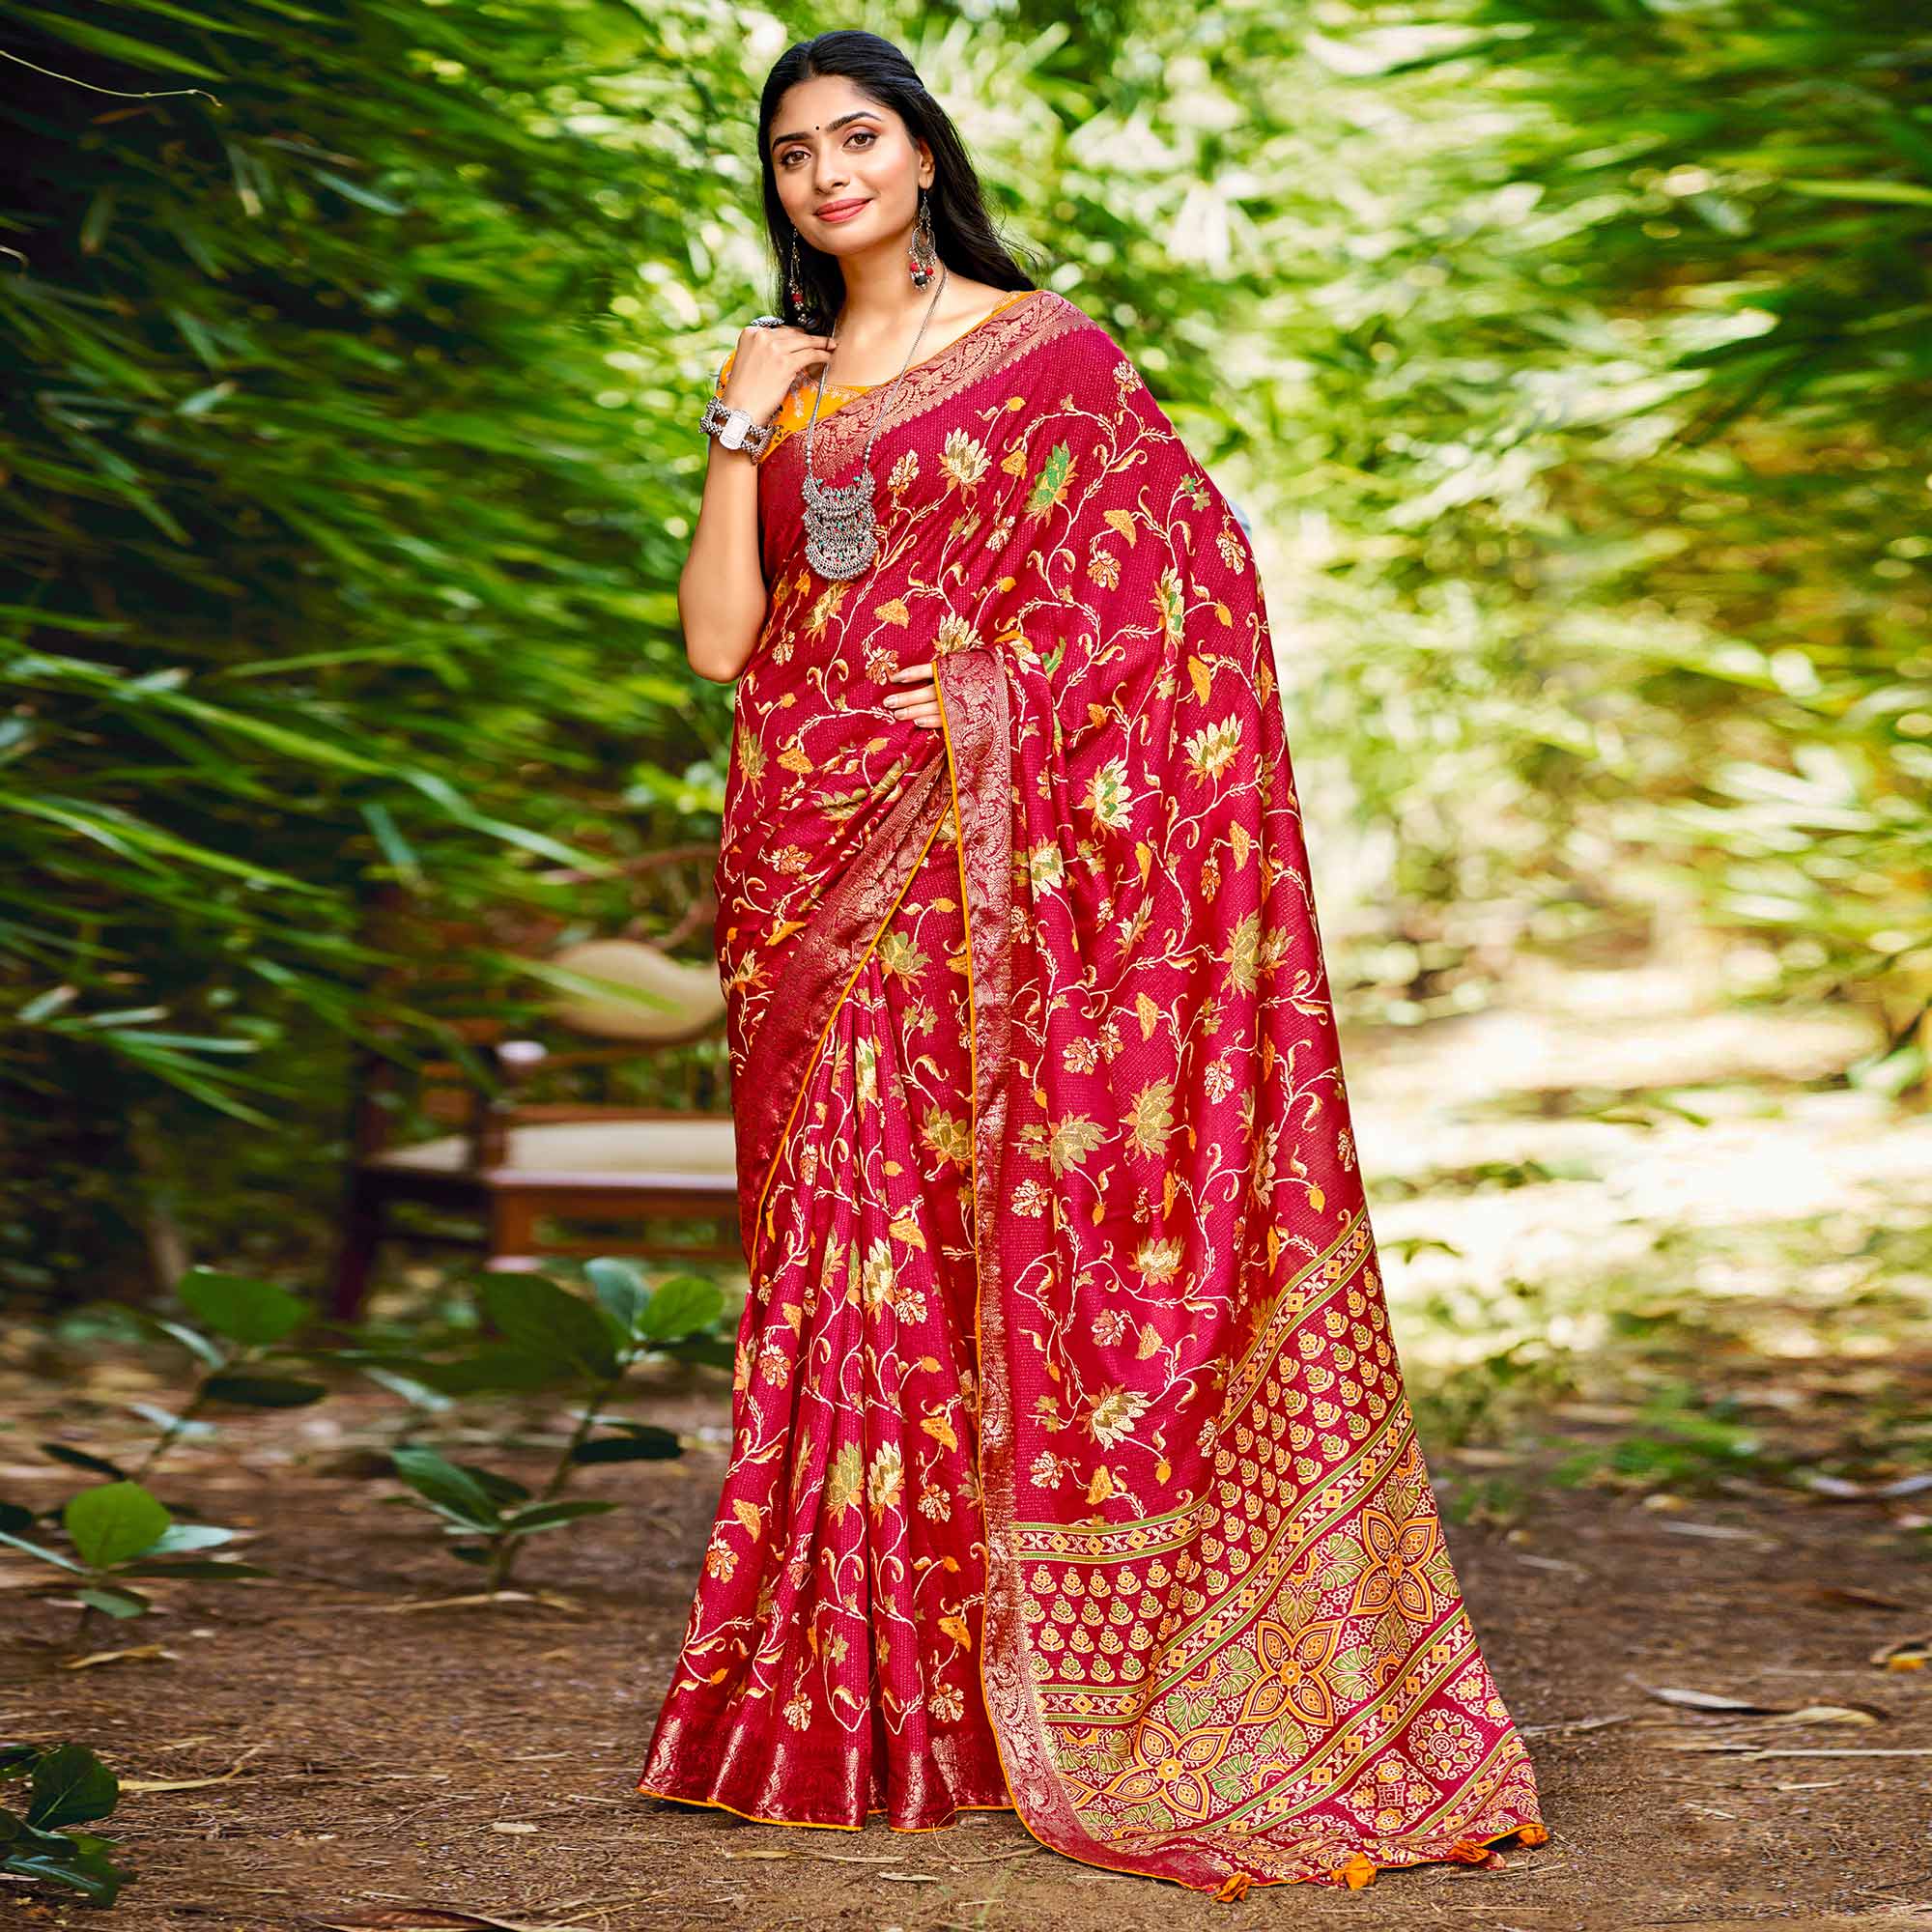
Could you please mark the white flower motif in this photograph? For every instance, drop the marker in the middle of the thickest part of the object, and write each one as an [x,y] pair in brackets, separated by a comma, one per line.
[963,458]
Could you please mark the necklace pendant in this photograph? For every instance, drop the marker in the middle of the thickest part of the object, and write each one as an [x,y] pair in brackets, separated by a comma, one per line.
[842,532]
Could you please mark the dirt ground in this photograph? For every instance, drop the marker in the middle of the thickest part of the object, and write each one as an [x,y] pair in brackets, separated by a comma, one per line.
[481,1758]
[319,1751]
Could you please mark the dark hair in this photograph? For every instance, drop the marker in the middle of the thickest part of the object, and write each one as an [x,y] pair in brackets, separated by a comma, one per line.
[962,231]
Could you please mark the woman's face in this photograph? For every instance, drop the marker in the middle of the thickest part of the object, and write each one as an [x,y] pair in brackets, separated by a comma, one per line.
[833,146]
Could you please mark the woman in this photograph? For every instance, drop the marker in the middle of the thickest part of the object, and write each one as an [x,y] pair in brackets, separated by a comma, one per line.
[1070,1469]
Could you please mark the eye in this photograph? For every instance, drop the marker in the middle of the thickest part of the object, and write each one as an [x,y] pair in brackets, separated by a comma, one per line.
[866,132]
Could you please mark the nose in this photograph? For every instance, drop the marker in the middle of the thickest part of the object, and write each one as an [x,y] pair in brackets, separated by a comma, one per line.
[828,175]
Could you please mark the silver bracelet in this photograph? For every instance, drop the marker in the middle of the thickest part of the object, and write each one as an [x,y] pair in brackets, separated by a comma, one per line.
[736,428]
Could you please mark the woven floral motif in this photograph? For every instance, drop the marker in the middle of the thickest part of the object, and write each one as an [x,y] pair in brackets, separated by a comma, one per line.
[1070,1465]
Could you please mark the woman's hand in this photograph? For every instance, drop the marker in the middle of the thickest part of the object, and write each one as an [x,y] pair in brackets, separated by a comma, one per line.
[766,364]
[921,703]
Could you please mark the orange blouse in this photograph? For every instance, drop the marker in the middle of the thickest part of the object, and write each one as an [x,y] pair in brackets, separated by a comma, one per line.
[795,412]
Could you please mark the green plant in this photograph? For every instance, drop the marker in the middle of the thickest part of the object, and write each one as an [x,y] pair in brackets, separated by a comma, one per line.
[337,554]
[548,1336]
[69,1786]
[117,1531]
[242,1322]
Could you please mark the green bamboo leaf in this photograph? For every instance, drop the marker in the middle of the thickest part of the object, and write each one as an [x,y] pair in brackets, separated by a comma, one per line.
[263,1391]
[118,47]
[1909,193]
[554,1516]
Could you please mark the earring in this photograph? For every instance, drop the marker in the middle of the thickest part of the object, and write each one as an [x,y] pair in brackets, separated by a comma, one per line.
[805,312]
[922,257]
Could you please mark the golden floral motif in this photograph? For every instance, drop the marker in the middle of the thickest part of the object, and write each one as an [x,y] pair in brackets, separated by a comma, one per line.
[885,1479]
[1108,796]
[963,458]
[1397,1551]
[1149,1118]
[1110,1416]
[1294,1666]
[1159,1262]
[1169,1768]
[1213,749]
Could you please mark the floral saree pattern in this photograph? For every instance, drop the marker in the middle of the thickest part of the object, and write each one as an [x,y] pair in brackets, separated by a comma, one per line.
[1070,1468]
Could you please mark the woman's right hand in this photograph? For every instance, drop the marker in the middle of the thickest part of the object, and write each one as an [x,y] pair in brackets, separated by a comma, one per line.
[766,364]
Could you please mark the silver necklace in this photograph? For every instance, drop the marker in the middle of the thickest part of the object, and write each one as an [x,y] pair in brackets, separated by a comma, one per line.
[842,532]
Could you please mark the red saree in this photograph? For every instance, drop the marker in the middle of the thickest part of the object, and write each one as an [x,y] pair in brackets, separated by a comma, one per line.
[1071,1469]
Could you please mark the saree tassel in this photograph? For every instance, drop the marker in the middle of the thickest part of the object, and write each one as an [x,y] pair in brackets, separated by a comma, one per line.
[1234,1887]
[1358,1871]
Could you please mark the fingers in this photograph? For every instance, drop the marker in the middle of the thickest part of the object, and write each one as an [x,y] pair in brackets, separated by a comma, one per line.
[918,703]
[898,701]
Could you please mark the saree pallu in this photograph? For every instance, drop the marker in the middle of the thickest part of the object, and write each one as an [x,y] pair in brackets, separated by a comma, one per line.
[1071,1469]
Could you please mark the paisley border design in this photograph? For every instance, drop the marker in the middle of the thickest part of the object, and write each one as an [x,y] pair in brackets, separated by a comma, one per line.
[1037,317]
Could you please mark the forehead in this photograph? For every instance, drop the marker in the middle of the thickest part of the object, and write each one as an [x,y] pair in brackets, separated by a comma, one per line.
[816,103]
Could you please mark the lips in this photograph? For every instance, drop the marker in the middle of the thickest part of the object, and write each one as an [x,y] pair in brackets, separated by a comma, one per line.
[841,210]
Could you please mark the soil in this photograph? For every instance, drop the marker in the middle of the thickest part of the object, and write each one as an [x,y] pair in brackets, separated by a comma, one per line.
[366,1756]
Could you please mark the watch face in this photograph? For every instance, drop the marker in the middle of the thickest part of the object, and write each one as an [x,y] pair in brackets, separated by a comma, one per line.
[732,435]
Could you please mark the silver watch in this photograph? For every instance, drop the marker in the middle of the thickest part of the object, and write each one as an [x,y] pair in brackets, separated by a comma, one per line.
[734,428]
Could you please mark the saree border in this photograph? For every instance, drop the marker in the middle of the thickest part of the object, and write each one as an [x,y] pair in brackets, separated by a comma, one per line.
[974,722]
[820,976]
[1039,316]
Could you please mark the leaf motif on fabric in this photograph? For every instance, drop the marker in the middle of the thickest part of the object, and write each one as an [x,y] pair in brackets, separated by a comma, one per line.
[1150,1118]
[1050,485]
[846,1480]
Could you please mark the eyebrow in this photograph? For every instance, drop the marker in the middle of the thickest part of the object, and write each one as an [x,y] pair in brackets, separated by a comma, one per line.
[831,126]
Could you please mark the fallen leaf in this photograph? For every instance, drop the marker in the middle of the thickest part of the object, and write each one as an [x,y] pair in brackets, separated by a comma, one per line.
[1721,1530]
[1709,1700]
[1906,1653]
[1842,1593]
[192,1783]
[115,1656]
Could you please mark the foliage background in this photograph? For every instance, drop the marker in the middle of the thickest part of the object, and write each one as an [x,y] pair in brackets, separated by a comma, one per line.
[1570,363]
